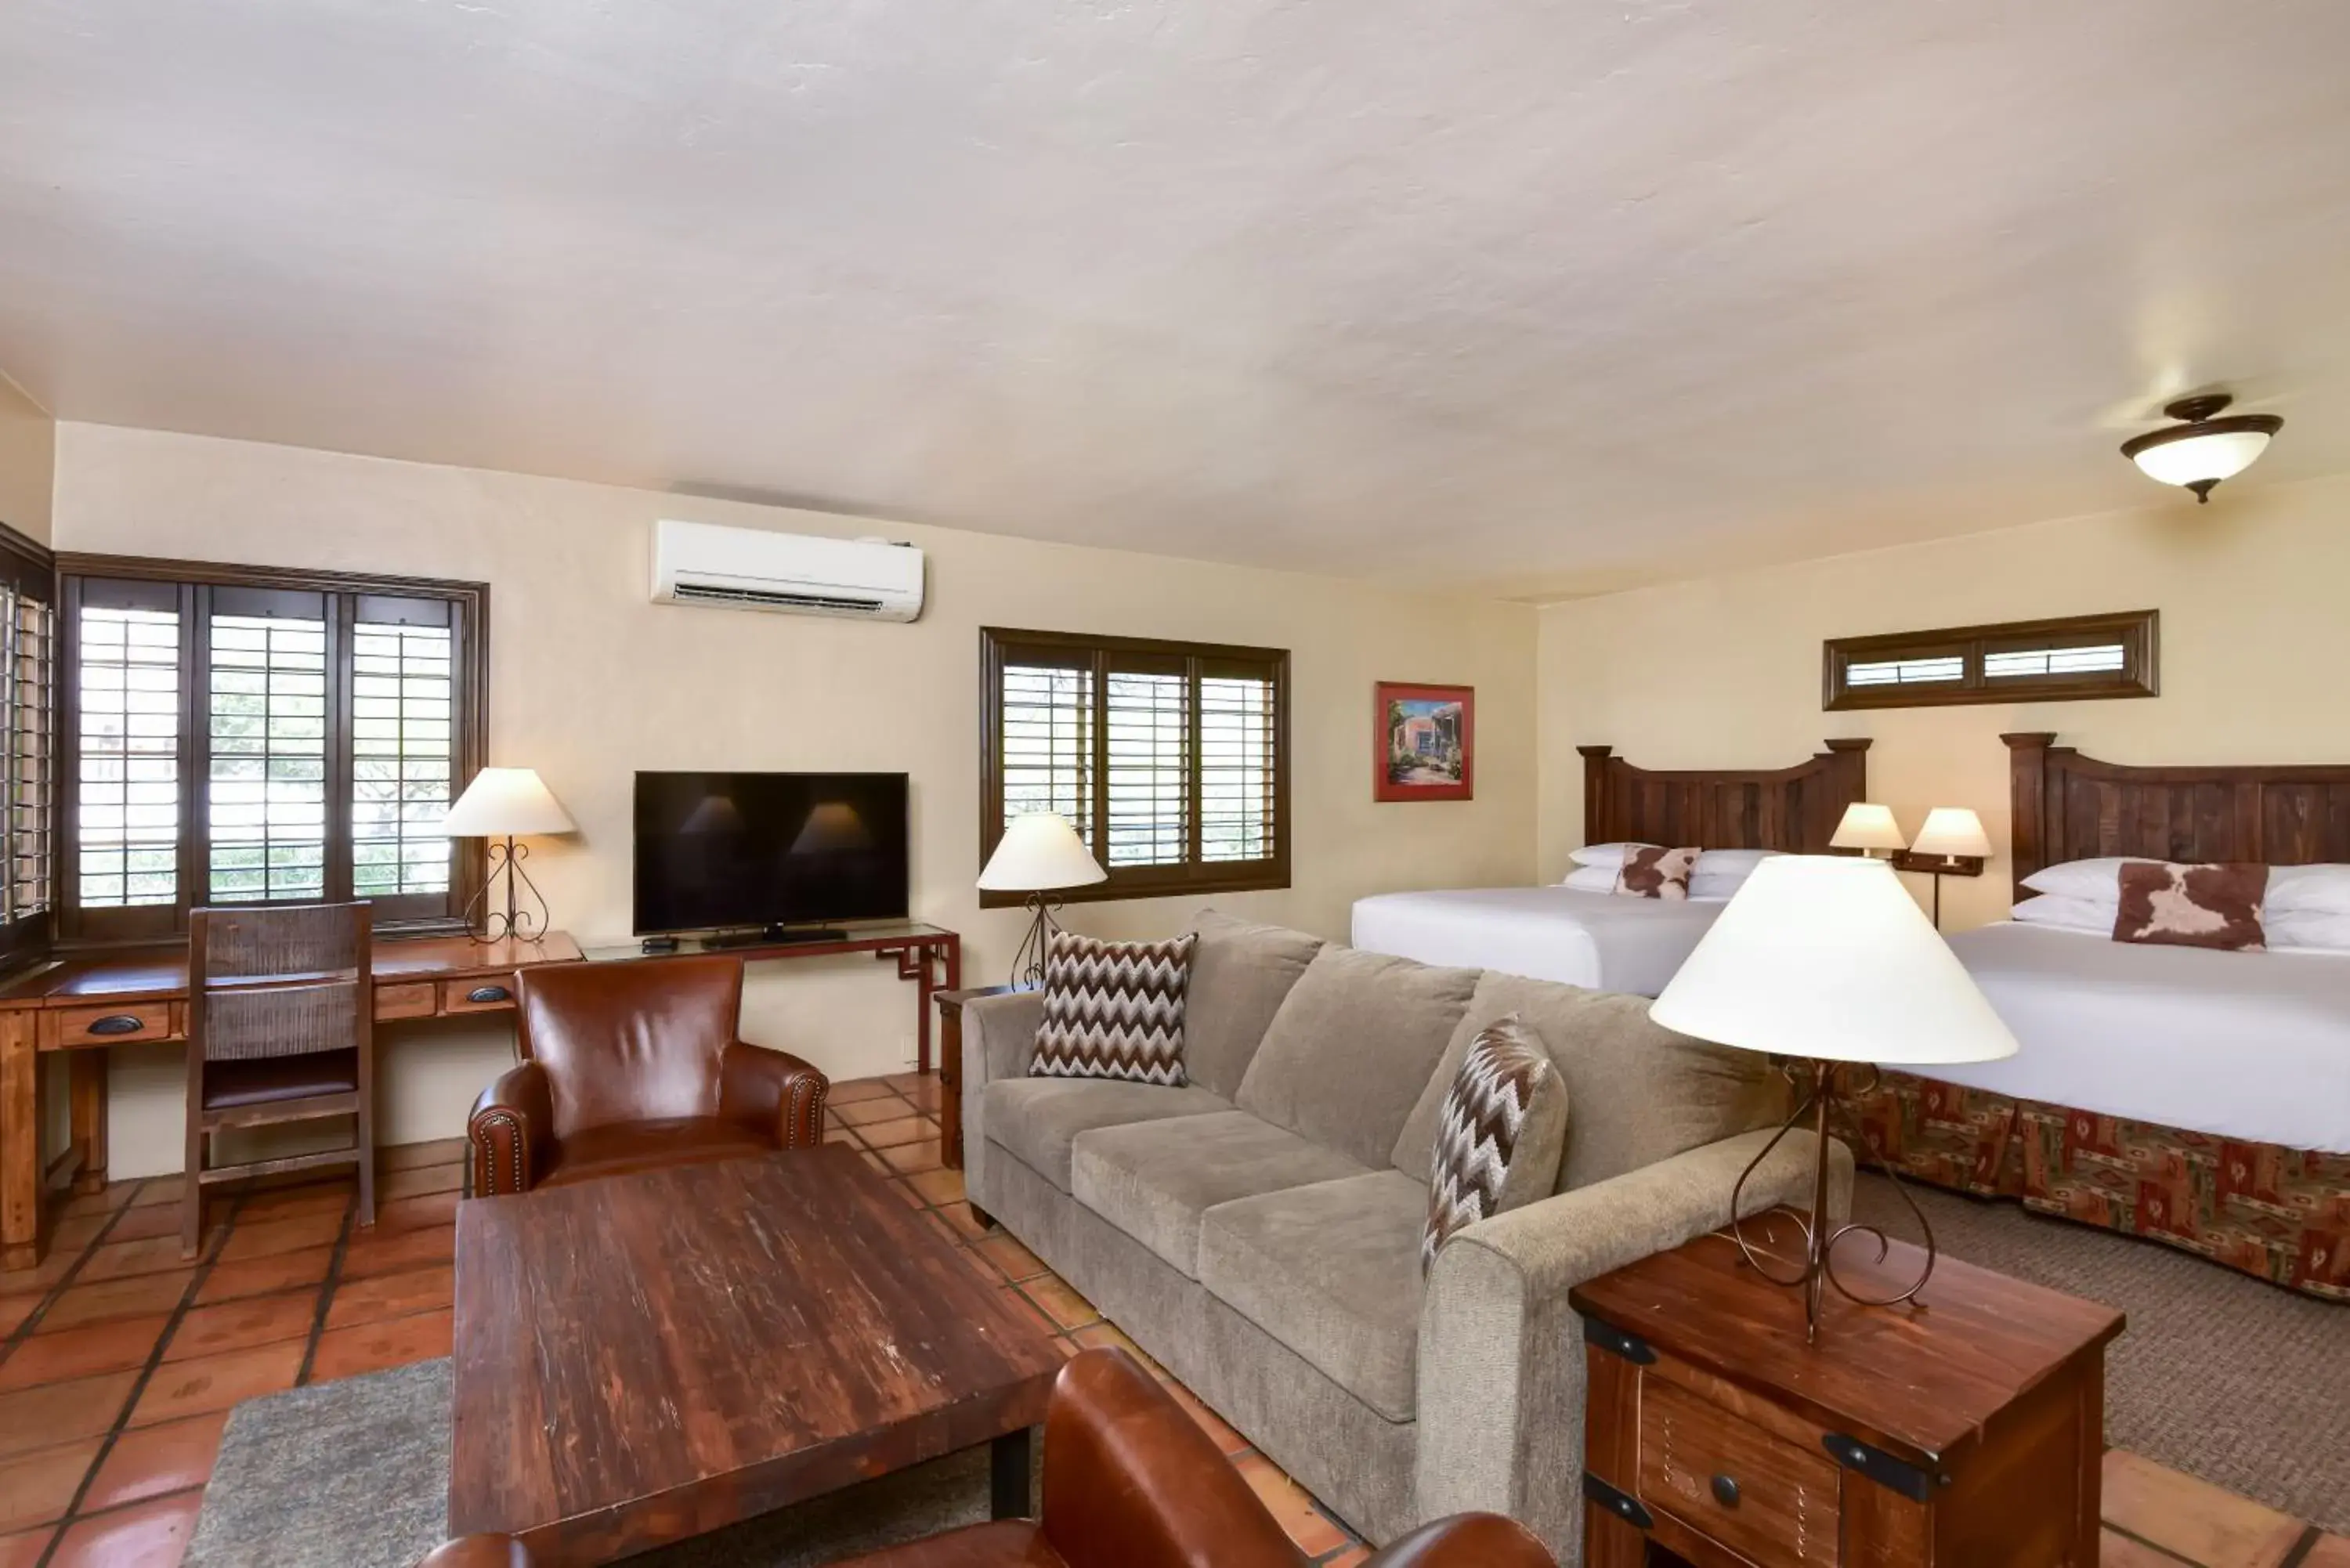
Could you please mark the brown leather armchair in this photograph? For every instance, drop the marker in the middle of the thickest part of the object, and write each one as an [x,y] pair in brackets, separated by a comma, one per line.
[632,1065]
[1130,1481]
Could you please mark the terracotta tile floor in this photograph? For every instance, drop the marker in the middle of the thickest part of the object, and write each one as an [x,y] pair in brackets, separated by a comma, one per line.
[118,1364]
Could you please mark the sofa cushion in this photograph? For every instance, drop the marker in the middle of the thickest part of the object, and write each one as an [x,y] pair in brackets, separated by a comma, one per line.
[1350,1050]
[1113,1010]
[1037,1119]
[1241,971]
[1640,1093]
[1154,1180]
[1331,1271]
[1498,1140]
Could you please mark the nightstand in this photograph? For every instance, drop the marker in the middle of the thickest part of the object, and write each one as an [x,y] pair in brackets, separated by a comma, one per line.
[951,1003]
[1966,1434]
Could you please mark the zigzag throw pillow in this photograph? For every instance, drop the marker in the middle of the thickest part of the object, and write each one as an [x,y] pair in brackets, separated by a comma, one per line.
[1113,1010]
[1499,1139]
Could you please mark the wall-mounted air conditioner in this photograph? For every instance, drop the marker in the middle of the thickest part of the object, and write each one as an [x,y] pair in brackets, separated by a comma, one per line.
[801,574]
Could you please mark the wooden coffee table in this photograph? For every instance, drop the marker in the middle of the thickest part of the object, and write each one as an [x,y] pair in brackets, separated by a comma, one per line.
[651,1356]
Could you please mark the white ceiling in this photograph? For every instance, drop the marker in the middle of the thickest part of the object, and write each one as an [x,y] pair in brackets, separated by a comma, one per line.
[1532,297]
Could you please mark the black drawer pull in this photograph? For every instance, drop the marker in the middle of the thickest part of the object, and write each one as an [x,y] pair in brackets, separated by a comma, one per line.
[489,993]
[1725,1491]
[116,1023]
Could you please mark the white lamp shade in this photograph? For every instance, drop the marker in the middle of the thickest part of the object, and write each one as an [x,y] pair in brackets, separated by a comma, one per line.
[1951,830]
[1866,826]
[1828,957]
[506,802]
[2192,459]
[1038,853]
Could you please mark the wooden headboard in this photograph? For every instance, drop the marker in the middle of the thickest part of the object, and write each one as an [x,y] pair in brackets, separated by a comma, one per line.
[2071,807]
[1794,809]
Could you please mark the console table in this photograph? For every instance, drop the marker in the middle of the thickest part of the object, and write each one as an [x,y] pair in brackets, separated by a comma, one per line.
[85,1002]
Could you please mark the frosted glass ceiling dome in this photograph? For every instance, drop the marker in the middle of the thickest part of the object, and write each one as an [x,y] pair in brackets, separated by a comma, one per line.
[2205,448]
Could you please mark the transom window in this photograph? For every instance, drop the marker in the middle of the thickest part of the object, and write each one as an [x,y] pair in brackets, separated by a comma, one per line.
[2015,662]
[1170,759]
[247,735]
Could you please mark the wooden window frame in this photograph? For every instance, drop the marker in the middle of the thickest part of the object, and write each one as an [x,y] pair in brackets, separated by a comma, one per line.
[1193,875]
[30,568]
[191,582]
[2138,631]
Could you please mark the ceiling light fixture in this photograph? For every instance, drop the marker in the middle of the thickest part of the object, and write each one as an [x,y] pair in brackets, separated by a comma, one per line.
[2205,448]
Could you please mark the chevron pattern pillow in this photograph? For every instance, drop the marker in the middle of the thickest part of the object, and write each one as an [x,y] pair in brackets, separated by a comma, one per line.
[1499,1139]
[1113,1010]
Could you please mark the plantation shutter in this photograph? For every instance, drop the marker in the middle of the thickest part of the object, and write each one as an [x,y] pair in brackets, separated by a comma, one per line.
[27,661]
[1166,757]
[265,743]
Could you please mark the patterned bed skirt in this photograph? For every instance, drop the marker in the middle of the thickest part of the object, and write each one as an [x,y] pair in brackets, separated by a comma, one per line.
[2281,1213]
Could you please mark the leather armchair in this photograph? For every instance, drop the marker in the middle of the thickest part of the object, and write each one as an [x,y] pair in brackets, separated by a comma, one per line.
[632,1065]
[1130,1481]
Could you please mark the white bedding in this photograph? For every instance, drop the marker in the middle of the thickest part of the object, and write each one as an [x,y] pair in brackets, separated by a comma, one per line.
[1602,941]
[2251,1046]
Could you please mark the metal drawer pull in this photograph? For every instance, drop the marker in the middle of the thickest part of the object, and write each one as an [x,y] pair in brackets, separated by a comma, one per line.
[1725,1491]
[489,993]
[116,1023]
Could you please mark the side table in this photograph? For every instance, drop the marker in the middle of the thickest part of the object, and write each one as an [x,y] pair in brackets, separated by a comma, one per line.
[951,1066]
[1967,1434]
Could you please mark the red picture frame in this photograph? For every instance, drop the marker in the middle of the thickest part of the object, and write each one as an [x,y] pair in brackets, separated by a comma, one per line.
[1423,741]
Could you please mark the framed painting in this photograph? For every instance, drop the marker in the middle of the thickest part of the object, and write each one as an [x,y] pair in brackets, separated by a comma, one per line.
[1423,741]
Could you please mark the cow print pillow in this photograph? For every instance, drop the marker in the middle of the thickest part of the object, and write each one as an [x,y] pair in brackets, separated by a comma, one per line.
[2216,906]
[1651,872]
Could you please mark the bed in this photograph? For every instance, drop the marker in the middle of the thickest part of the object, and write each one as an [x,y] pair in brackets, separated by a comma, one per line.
[1600,941]
[2198,1098]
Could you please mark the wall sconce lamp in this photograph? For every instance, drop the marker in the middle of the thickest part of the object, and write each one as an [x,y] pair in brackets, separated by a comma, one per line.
[1951,844]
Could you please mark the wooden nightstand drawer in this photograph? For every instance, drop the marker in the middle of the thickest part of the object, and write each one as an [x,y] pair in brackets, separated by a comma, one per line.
[1763,1497]
[127,1021]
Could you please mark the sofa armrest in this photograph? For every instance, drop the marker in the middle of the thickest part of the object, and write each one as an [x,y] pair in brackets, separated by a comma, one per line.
[999,1038]
[773,1093]
[1501,1369]
[512,1132]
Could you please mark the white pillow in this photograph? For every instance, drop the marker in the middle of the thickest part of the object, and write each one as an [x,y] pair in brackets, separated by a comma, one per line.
[2099,878]
[2070,914]
[1719,886]
[1611,856]
[2307,933]
[1591,878]
[2308,890]
[1730,862]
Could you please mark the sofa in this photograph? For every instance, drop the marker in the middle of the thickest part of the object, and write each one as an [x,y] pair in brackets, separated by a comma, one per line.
[1257,1230]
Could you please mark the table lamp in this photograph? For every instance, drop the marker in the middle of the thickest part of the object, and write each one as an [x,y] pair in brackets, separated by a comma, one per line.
[1951,844]
[1039,854]
[1825,961]
[1865,827]
[501,804]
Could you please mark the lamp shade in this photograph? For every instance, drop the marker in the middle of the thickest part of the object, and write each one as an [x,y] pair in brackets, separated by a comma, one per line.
[1828,957]
[1039,852]
[1866,826]
[503,803]
[1951,830]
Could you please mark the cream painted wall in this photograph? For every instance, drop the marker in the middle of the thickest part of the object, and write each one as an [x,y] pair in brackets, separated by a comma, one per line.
[2254,591]
[590,681]
[29,447]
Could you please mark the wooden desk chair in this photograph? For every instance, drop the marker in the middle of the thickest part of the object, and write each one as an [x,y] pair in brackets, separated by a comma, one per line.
[281,1016]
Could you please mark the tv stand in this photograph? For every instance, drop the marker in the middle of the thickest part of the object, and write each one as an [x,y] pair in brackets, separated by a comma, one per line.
[773,936]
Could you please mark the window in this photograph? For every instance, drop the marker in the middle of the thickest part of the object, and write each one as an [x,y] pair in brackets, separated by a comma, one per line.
[1169,758]
[249,735]
[2015,661]
[27,739]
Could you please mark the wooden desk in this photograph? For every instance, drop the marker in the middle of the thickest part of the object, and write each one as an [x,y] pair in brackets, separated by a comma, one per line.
[86,1003]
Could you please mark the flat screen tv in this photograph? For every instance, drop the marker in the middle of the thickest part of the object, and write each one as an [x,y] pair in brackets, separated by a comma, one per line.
[766,851]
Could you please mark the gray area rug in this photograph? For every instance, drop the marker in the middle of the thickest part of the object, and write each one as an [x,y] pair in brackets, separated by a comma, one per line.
[2241,1383]
[355,1474]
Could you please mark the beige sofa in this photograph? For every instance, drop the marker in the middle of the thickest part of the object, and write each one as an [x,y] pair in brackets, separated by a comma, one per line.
[1258,1230]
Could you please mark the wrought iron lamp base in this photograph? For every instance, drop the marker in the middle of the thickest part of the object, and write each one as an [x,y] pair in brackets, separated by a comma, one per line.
[1028,963]
[515,920]
[1825,1102]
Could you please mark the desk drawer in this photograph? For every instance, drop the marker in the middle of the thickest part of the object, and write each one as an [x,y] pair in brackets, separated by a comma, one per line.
[487,994]
[105,1025]
[412,999]
[1749,1489]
